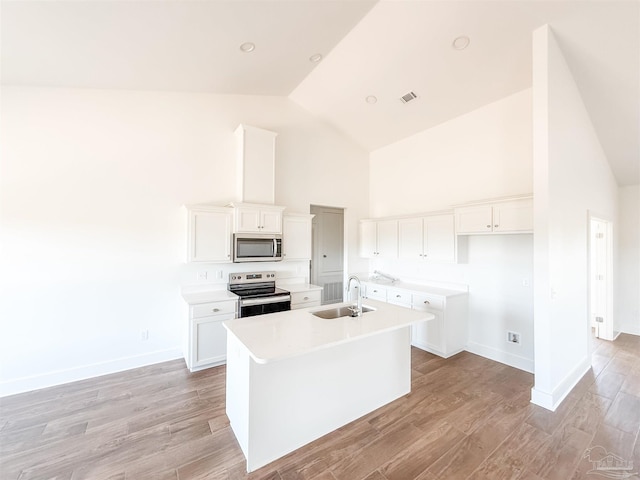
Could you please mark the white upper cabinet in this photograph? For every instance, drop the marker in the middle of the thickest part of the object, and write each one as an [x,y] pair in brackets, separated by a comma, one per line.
[255,165]
[296,236]
[253,218]
[430,238]
[209,234]
[379,238]
[508,216]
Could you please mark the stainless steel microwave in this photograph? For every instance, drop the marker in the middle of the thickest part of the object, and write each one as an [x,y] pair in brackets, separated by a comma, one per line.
[257,247]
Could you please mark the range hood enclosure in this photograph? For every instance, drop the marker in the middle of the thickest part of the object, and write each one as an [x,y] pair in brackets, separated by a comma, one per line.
[255,165]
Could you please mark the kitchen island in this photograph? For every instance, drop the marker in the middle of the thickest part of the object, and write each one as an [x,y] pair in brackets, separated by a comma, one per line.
[293,377]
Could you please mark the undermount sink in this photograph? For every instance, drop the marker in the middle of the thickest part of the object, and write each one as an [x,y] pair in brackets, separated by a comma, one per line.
[338,312]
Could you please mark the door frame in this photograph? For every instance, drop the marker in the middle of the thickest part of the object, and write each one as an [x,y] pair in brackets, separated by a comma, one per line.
[605,331]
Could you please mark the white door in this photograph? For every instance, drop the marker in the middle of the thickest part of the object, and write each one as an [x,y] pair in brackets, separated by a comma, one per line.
[600,281]
[327,265]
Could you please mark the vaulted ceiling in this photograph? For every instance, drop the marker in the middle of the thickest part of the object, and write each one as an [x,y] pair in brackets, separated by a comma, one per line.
[383,49]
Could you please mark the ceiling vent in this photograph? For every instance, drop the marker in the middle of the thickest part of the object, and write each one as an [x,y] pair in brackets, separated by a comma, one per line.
[408,97]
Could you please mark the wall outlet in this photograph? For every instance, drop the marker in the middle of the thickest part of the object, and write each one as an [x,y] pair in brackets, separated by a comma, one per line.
[203,275]
[219,274]
[513,337]
[144,335]
[525,282]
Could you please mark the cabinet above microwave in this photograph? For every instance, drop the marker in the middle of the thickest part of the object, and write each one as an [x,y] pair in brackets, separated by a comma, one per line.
[257,218]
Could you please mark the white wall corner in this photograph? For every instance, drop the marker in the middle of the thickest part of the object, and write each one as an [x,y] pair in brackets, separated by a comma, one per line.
[552,400]
[516,361]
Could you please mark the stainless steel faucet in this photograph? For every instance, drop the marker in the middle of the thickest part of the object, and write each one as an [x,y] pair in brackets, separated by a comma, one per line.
[356,310]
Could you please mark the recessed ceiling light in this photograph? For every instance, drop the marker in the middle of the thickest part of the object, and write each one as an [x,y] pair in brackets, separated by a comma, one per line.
[315,58]
[371,99]
[247,47]
[460,43]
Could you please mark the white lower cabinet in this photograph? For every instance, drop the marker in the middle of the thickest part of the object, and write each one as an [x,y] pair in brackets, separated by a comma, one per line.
[206,344]
[374,291]
[446,334]
[309,298]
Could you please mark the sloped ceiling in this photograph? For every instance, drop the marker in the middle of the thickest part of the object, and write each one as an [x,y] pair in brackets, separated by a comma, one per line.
[384,49]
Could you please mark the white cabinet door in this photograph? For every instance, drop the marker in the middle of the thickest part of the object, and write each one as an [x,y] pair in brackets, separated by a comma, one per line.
[376,292]
[474,219]
[513,216]
[271,221]
[439,239]
[296,237]
[306,299]
[368,239]
[256,172]
[410,242]
[387,239]
[209,341]
[399,297]
[253,218]
[508,216]
[248,220]
[209,234]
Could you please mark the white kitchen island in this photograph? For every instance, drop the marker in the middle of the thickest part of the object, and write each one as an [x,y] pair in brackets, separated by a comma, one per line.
[293,377]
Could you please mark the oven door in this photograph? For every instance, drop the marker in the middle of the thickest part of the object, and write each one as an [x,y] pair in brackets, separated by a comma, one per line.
[258,306]
[257,248]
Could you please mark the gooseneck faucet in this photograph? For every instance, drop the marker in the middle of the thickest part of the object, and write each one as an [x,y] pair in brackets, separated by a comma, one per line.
[356,310]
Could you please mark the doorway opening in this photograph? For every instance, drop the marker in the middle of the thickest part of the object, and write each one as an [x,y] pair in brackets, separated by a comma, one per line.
[327,260]
[600,279]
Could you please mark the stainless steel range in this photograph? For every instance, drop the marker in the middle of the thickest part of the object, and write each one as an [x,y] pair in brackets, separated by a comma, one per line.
[258,293]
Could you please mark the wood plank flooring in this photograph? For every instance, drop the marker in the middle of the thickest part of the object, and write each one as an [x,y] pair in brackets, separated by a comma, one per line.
[465,418]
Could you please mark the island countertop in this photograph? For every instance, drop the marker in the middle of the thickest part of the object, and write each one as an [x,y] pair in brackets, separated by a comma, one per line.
[276,336]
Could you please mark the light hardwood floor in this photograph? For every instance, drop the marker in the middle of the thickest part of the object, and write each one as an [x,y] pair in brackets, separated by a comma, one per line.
[466,417]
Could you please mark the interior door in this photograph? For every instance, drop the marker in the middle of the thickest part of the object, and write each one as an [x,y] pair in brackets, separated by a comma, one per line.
[327,265]
[599,278]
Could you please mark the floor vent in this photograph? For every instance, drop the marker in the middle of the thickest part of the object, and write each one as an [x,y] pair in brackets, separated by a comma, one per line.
[408,97]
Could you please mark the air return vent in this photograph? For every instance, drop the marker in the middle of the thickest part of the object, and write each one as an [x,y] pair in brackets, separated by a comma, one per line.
[408,97]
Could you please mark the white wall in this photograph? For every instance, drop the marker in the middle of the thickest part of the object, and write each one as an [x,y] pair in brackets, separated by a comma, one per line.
[93,230]
[483,154]
[627,313]
[572,177]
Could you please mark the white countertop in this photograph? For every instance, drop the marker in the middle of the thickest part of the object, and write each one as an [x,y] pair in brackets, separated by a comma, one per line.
[288,334]
[300,287]
[415,287]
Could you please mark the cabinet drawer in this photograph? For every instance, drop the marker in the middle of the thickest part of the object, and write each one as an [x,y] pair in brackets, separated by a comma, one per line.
[214,308]
[427,302]
[399,297]
[305,297]
[377,293]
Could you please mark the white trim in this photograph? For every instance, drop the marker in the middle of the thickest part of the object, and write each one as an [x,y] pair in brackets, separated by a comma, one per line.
[631,328]
[552,400]
[515,361]
[59,377]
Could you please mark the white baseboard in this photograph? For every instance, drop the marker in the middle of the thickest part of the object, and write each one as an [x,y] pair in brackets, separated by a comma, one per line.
[516,361]
[632,328]
[552,400]
[59,377]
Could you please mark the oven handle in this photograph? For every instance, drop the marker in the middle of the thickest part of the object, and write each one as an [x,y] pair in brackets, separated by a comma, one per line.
[263,301]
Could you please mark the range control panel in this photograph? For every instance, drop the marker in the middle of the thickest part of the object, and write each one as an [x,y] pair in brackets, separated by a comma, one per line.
[235,278]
